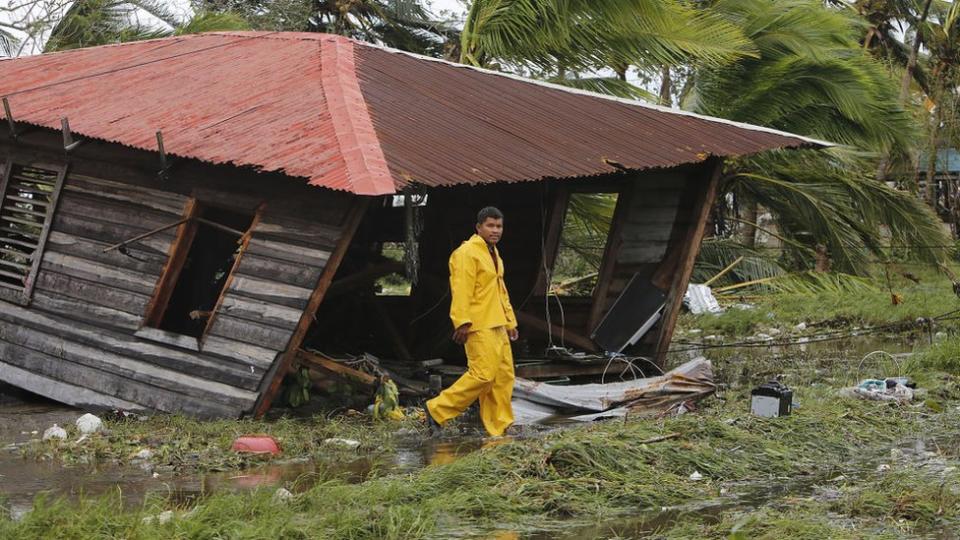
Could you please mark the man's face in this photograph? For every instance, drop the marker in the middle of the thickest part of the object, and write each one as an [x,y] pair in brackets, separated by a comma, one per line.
[490,230]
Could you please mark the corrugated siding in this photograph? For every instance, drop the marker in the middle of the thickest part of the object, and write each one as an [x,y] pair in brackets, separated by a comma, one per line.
[351,116]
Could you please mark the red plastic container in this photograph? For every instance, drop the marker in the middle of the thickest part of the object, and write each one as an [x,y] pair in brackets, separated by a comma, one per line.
[256,444]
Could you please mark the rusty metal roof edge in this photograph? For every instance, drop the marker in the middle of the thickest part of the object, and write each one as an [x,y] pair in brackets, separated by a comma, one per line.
[631,102]
[360,147]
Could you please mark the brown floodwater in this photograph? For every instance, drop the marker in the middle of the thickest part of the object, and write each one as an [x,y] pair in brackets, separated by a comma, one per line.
[21,480]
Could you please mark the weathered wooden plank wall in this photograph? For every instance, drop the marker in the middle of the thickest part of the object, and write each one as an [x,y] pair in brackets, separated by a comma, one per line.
[647,211]
[76,342]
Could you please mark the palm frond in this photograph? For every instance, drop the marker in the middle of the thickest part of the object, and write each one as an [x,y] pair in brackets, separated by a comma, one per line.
[587,34]
[213,22]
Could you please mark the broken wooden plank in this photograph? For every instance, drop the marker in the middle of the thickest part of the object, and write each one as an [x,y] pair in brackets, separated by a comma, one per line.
[270,291]
[311,359]
[268,337]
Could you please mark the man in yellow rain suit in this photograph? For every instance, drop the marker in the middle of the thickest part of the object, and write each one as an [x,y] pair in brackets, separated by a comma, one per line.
[483,320]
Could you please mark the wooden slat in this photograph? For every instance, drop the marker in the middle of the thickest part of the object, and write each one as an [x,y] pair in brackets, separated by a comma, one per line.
[93,271]
[148,263]
[24,211]
[282,366]
[109,211]
[12,275]
[14,241]
[101,294]
[269,291]
[109,233]
[83,310]
[234,373]
[103,382]
[71,394]
[269,337]
[128,368]
[285,272]
[11,264]
[29,223]
[164,201]
[260,312]
[24,200]
[288,252]
[14,253]
[241,352]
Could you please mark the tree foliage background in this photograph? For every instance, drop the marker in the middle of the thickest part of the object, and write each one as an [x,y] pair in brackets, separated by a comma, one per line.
[878,77]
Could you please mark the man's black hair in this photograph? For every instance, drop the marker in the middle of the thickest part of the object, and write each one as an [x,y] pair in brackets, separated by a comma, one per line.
[488,213]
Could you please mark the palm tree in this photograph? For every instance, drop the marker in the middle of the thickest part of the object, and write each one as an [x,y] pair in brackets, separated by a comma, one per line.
[812,77]
[571,41]
[88,23]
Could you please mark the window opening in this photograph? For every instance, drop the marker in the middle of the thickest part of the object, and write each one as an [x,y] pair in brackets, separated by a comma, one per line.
[29,195]
[394,283]
[201,280]
[583,240]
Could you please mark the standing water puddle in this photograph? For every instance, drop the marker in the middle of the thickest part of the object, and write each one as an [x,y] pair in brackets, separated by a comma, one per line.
[23,479]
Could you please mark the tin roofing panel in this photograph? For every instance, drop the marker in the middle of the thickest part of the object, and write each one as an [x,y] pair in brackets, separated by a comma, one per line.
[353,116]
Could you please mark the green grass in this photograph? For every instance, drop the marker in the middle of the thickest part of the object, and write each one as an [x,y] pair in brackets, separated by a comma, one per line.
[595,472]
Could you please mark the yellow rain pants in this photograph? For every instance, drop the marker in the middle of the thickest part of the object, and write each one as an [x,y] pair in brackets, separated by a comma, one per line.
[489,377]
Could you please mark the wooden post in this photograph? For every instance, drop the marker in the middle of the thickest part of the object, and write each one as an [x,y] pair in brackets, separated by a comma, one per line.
[688,250]
[609,262]
[551,238]
[171,271]
[282,366]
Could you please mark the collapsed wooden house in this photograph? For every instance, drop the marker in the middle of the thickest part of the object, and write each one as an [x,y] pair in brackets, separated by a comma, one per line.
[180,216]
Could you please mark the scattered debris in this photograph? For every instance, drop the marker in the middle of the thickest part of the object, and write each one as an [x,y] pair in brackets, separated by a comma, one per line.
[282,495]
[54,432]
[89,423]
[699,299]
[386,404]
[163,517]
[771,399]
[256,444]
[346,443]
[144,454]
[535,401]
[696,476]
[882,390]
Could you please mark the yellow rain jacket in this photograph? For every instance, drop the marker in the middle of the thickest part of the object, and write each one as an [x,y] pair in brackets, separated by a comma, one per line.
[479,295]
[480,298]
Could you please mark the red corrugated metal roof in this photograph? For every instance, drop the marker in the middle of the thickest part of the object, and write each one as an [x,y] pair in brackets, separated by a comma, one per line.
[352,116]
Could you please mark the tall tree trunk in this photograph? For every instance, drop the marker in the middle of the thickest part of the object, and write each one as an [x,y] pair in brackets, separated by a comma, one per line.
[905,83]
[749,212]
[666,87]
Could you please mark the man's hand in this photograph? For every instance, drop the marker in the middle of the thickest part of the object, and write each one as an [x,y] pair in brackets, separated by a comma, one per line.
[460,334]
[513,334]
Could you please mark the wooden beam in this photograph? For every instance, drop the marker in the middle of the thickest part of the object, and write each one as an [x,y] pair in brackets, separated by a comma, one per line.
[610,254]
[314,360]
[689,248]
[275,379]
[552,237]
[532,321]
[179,250]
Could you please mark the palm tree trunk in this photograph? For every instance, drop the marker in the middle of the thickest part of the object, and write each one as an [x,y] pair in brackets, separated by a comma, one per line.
[666,86]
[905,83]
[748,233]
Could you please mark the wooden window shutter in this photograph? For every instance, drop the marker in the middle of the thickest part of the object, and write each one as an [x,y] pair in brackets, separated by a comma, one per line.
[29,197]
